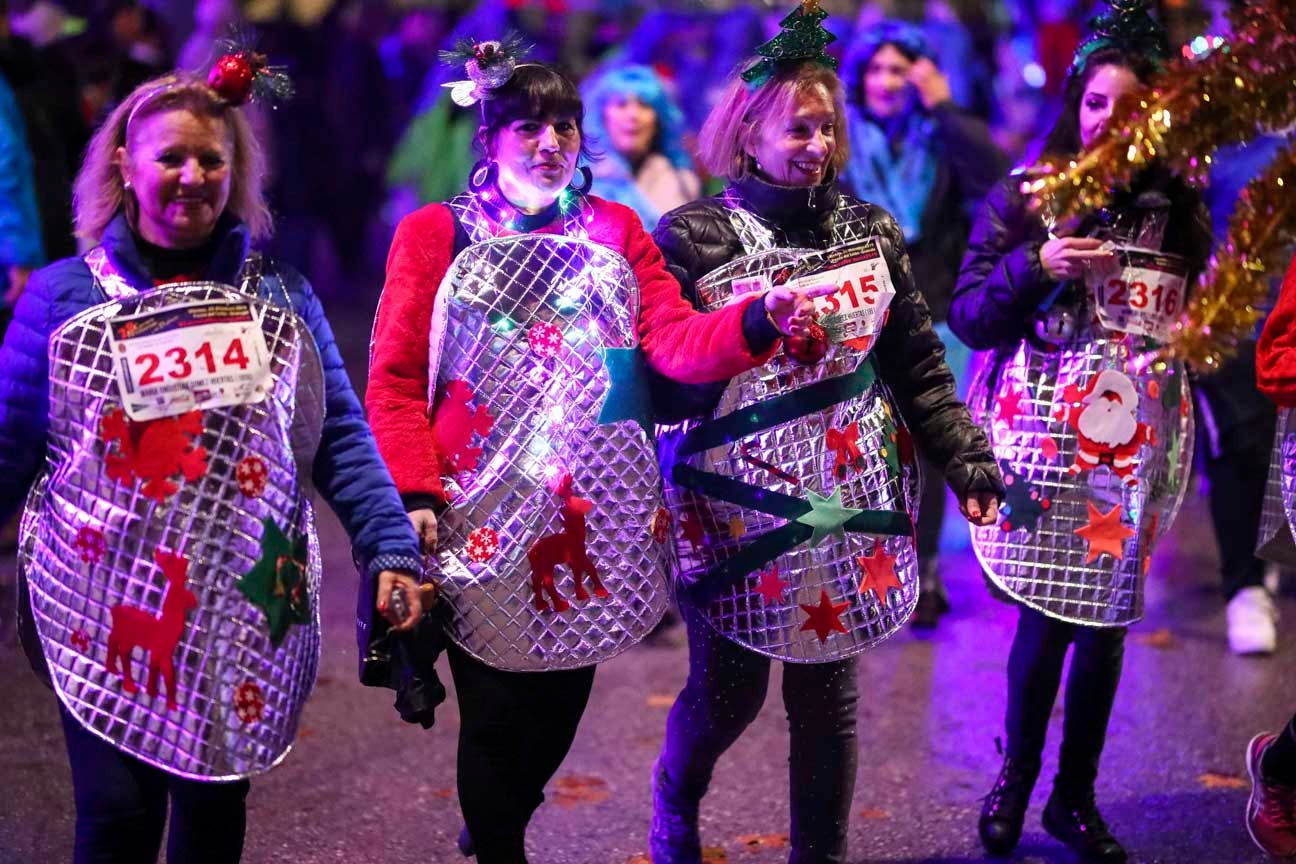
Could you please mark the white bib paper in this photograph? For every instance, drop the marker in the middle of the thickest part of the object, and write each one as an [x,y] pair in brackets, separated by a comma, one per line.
[190,356]
[857,309]
[1145,296]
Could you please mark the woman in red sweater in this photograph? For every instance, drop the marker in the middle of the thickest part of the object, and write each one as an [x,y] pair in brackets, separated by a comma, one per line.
[508,395]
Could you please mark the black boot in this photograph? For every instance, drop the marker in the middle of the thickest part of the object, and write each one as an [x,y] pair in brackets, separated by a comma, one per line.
[1004,809]
[1073,818]
[933,601]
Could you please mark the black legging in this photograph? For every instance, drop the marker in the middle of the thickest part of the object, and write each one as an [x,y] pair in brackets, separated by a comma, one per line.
[515,728]
[121,806]
[1034,674]
[725,690]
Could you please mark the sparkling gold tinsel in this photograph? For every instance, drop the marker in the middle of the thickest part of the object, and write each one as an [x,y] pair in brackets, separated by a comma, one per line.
[1228,302]
[1192,109]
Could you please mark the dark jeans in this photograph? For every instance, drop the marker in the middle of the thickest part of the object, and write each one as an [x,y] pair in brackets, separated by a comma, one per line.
[1236,425]
[931,518]
[121,806]
[515,728]
[1034,675]
[725,690]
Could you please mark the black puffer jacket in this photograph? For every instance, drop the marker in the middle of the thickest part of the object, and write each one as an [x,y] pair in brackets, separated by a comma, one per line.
[698,238]
[1002,283]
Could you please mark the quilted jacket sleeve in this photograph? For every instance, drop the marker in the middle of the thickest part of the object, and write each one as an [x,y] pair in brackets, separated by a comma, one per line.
[912,360]
[397,395]
[1001,282]
[24,391]
[348,471]
[1276,351]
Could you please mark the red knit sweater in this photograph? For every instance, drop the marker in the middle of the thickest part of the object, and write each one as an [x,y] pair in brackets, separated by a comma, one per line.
[1276,351]
[678,341]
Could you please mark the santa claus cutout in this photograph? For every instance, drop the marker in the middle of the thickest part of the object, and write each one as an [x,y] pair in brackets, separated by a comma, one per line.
[1108,430]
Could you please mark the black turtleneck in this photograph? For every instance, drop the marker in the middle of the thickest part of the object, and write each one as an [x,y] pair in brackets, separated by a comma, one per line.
[804,214]
[168,265]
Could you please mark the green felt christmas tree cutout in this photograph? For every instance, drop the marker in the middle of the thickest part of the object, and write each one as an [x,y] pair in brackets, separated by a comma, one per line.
[276,584]
[801,37]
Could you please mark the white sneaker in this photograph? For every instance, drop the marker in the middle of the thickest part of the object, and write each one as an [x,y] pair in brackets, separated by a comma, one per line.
[1251,618]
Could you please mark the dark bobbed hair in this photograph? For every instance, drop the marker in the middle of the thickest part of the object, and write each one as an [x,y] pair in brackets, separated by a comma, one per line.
[535,91]
[1064,139]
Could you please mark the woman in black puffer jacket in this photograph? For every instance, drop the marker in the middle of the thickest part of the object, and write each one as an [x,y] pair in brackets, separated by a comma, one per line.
[795,487]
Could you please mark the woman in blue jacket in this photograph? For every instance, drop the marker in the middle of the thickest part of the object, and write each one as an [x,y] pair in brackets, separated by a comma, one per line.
[166,402]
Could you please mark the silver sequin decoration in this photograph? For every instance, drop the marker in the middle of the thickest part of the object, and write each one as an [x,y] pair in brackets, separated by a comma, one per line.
[1276,542]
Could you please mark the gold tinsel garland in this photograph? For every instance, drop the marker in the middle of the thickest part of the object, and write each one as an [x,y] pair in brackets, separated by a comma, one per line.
[1192,109]
[1227,303]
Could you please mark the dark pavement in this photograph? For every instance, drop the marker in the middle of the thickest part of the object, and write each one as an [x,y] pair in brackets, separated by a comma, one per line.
[360,786]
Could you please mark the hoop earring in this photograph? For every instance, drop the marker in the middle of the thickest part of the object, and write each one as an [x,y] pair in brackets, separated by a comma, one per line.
[586,181]
[483,175]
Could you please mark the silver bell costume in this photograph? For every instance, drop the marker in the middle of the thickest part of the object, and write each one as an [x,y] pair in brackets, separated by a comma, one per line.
[796,498]
[1094,438]
[545,554]
[169,547]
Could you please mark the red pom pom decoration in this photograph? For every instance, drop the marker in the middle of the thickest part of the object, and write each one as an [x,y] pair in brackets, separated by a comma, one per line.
[232,77]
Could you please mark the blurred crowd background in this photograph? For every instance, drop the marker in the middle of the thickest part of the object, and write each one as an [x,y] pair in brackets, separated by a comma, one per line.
[372,134]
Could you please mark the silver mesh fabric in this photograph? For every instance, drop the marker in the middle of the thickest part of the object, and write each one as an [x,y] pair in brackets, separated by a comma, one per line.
[223,656]
[1276,542]
[545,411]
[742,614]
[1040,560]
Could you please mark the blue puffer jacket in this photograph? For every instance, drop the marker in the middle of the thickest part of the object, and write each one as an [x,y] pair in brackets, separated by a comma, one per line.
[347,470]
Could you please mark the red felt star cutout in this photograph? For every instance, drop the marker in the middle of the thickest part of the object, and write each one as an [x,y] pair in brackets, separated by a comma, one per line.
[1104,533]
[1149,536]
[1049,448]
[691,528]
[879,573]
[1010,407]
[771,586]
[824,618]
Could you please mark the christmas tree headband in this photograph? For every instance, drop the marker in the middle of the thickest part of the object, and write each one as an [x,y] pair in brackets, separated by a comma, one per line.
[1128,27]
[240,75]
[803,38]
[489,65]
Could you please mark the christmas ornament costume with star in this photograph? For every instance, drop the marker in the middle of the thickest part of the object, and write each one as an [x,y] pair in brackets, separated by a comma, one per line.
[812,462]
[527,351]
[1094,441]
[168,545]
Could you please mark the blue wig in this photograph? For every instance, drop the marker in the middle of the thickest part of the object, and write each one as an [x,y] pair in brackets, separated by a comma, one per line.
[647,86]
[866,42]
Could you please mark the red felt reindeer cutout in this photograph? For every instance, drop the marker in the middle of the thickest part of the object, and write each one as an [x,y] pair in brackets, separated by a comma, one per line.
[565,548]
[157,635]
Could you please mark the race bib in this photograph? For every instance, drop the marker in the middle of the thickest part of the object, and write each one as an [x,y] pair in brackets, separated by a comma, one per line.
[857,309]
[190,356]
[1144,296]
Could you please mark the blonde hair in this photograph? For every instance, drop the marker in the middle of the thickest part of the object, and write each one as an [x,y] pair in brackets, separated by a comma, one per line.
[100,192]
[737,118]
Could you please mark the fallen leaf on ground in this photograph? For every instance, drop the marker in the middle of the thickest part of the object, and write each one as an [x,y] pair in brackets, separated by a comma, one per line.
[641,858]
[1216,780]
[1161,639]
[445,792]
[577,789]
[714,855]
[661,700]
[874,815]
[762,841]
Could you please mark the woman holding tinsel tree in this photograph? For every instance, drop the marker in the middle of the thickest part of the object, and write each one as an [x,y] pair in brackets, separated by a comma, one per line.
[1093,439]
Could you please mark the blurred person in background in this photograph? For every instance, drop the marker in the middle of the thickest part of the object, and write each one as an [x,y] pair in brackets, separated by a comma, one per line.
[640,129]
[928,162]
